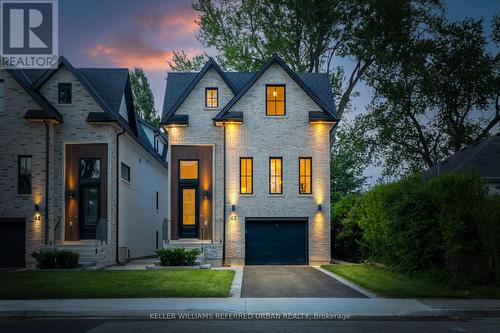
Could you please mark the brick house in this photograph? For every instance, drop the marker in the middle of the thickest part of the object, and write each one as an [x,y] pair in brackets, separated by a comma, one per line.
[78,170]
[250,164]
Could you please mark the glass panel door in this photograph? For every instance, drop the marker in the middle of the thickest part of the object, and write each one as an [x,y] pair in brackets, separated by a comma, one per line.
[89,211]
[188,212]
[188,206]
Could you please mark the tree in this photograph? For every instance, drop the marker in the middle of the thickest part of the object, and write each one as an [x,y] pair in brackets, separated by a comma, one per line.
[144,103]
[309,35]
[442,100]
[351,154]
[181,63]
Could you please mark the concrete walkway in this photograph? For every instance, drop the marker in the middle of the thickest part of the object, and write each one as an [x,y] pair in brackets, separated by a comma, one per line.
[347,307]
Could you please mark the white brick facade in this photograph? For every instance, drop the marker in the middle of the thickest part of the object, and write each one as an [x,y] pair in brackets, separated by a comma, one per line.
[261,137]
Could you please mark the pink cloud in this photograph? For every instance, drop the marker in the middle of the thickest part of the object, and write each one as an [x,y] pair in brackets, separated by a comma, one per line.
[173,24]
[134,52]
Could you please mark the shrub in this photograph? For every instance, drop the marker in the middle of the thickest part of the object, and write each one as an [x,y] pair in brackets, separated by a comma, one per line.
[178,256]
[346,232]
[56,259]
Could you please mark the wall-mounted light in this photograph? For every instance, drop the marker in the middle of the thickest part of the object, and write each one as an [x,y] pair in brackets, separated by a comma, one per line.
[70,194]
[205,195]
[319,208]
[38,217]
[233,208]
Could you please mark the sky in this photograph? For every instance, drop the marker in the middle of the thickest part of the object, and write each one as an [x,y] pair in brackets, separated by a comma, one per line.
[144,33]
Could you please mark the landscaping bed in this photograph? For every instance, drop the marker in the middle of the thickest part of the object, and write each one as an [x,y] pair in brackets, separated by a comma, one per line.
[388,283]
[115,284]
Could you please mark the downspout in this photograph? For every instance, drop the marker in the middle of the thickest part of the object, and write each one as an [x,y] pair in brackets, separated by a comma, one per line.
[224,206]
[46,225]
[118,187]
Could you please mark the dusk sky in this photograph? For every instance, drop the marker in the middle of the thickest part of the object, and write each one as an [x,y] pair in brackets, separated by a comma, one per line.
[119,33]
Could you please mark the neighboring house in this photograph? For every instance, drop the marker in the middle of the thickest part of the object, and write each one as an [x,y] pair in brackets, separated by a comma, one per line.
[483,156]
[72,148]
[250,164]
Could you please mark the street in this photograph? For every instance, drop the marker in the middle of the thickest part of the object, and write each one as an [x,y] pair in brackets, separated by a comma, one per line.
[80,325]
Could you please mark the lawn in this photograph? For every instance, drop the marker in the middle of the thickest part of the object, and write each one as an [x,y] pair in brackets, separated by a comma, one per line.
[388,283]
[115,284]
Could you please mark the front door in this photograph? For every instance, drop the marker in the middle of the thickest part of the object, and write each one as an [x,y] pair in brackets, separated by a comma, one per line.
[188,212]
[89,211]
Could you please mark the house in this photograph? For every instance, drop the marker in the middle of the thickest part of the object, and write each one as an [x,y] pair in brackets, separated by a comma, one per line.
[78,170]
[249,164]
[483,156]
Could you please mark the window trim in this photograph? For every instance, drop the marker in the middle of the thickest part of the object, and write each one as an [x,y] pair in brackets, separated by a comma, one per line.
[59,93]
[251,176]
[284,100]
[216,100]
[129,172]
[310,175]
[197,170]
[270,176]
[19,157]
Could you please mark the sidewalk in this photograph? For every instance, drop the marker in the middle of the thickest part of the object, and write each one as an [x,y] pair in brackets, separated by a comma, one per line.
[143,307]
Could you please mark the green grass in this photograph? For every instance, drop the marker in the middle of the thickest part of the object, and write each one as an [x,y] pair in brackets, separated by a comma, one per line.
[386,282]
[115,284]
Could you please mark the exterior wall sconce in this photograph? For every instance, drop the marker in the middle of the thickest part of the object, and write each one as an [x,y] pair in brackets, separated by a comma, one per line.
[38,217]
[233,208]
[319,208]
[70,194]
[205,195]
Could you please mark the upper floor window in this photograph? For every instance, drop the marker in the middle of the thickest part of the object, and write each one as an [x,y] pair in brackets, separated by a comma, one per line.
[211,97]
[188,169]
[24,175]
[125,172]
[275,175]
[275,100]
[64,93]
[305,175]
[246,175]
[2,94]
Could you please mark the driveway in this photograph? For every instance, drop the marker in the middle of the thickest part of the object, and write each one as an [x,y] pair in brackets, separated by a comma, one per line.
[292,281]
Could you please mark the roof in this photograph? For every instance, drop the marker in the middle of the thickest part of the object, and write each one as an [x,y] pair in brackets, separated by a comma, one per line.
[106,85]
[180,84]
[483,156]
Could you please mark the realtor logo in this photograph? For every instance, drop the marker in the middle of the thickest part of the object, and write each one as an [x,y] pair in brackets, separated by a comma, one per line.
[29,33]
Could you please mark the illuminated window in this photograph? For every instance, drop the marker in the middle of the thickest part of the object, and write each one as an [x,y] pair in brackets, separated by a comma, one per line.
[24,175]
[64,93]
[275,176]
[305,175]
[246,175]
[211,97]
[188,169]
[275,100]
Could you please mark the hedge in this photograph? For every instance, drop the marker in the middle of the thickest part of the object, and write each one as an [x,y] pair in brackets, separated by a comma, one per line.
[448,225]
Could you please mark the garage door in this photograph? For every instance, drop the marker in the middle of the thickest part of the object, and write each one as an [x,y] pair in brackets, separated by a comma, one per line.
[276,242]
[12,233]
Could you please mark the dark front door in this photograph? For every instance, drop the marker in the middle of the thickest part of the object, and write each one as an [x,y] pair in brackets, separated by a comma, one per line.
[276,242]
[188,212]
[12,242]
[89,211]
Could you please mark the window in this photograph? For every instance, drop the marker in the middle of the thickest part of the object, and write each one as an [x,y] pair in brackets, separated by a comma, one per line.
[2,94]
[125,172]
[157,200]
[64,93]
[211,97]
[275,100]
[305,175]
[24,175]
[188,169]
[275,176]
[246,175]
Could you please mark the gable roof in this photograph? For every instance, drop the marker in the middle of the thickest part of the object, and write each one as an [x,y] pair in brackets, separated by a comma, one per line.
[482,156]
[187,85]
[107,86]
[180,84]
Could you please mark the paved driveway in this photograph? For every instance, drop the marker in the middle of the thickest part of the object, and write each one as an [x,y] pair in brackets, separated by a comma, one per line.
[292,281]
